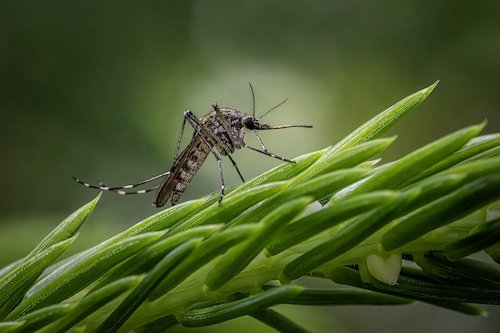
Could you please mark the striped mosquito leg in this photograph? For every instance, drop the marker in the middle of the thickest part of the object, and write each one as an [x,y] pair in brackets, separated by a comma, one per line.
[222,186]
[119,189]
[268,153]
[121,192]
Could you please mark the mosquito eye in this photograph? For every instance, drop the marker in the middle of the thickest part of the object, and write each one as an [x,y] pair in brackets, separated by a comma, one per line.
[248,122]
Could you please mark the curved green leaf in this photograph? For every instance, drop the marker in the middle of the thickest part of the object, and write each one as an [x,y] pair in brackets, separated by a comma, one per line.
[474,147]
[90,303]
[481,237]
[396,173]
[346,296]
[318,188]
[14,284]
[445,210]
[381,123]
[313,224]
[278,321]
[153,253]
[42,317]
[342,159]
[346,238]
[212,247]
[76,275]
[10,326]
[222,312]
[118,317]
[67,228]
[237,258]
[231,206]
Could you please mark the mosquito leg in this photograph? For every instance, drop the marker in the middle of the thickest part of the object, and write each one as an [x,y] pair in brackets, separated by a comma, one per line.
[268,153]
[236,167]
[136,192]
[199,127]
[180,139]
[117,190]
[122,187]
[264,148]
[219,163]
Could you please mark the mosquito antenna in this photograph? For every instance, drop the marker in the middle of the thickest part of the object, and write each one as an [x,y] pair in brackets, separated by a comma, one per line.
[253,99]
[274,107]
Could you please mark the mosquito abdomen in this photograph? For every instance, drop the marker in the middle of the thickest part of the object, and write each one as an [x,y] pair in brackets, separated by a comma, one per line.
[181,174]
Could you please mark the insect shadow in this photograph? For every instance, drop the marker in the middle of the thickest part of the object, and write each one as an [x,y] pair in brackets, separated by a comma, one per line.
[220,132]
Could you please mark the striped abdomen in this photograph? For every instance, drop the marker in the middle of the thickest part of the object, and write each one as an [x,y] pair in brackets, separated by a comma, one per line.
[182,172]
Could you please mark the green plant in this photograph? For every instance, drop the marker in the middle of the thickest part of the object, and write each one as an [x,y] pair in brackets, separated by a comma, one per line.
[335,214]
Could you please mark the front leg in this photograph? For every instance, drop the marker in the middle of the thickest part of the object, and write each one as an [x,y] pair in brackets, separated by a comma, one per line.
[268,153]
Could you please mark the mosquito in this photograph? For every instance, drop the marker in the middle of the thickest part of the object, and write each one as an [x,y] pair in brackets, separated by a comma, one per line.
[220,132]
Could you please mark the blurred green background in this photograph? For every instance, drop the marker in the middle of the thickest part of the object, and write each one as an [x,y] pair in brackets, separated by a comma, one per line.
[98,89]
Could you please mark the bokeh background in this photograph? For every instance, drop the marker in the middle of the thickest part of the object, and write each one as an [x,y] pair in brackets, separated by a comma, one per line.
[97,89]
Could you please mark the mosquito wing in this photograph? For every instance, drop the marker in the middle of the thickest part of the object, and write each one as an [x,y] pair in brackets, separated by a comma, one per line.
[181,173]
[165,190]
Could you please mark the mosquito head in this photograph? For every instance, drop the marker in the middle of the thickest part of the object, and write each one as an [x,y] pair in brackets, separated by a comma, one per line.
[251,122]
